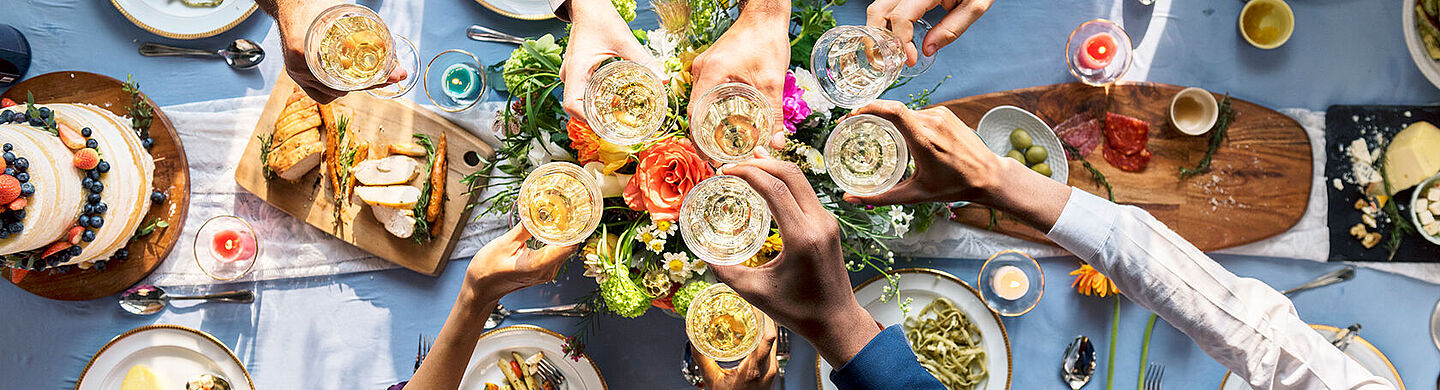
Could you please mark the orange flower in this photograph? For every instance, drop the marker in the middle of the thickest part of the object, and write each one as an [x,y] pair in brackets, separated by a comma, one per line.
[668,170]
[589,147]
[1088,281]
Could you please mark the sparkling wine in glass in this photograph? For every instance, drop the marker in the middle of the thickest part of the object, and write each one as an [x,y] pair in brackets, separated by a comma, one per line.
[559,203]
[724,221]
[866,155]
[1098,52]
[855,64]
[732,120]
[625,102]
[349,48]
[722,325]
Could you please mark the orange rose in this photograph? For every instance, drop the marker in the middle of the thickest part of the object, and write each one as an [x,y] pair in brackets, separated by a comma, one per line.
[667,171]
[589,147]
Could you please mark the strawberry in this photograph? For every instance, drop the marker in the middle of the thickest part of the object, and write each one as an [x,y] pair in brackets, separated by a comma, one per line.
[74,235]
[55,247]
[9,189]
[16,274]
[19,204]
[71,138]
[87,158]
[6,102]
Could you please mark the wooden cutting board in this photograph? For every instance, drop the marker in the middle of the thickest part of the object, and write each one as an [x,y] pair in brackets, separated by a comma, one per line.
[1259,185]
[381,122]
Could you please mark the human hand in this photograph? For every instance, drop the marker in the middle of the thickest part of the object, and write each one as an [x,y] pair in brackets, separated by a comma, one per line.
[755,51]
[806,287]
[598,34]
[294,18]
[506,264]
[899,17]
[756,372]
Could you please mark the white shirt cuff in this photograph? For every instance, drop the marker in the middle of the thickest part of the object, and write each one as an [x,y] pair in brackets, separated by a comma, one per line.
[1085,224]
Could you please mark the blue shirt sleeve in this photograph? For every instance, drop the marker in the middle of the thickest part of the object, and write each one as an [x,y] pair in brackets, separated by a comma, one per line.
[886,362]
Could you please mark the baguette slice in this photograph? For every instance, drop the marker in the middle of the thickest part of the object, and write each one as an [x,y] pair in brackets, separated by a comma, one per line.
[297,155]
[392,196]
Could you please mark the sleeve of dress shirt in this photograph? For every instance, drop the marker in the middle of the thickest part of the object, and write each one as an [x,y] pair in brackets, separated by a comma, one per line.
[1243,323]
[886,362]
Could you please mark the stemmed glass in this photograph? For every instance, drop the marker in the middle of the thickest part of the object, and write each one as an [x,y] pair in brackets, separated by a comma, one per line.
[559,203]
[722,325]
[724,221]
[733,119]
[866,155]
[625,102]
[349,48]
[855,64]
[454,80]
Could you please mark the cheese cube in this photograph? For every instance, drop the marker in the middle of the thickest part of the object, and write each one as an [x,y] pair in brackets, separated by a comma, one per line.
[1422,205]
[1433,229]
[1433,195]
[1360,152]
[1435,208]
[1425,218]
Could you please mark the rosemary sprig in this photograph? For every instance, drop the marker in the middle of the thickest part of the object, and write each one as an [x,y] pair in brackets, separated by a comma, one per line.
[265,146]
[141,113]
[1218,134]
[422,226]
[1399,225]
[1095,174]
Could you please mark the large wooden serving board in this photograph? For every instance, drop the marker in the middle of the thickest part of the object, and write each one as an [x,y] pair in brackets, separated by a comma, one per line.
[1259,185]
[381,122]
[172,175]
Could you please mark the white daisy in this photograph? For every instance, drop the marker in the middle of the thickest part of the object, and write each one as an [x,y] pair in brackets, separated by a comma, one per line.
[681,267]
[664,229]
[900,220]
[815,159]
[813,96]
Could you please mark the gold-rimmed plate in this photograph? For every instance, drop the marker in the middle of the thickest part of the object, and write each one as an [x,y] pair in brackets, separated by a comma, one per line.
[580,374]
[175,19]
[1362,351]
[174,353]
[923,285]
[520,9]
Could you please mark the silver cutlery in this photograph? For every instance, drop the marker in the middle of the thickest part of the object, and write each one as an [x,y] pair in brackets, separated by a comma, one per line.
[1343,337]
[207,382]
[549,372]
[782,354]
[1153,375]
[1336,276]
[689,369]
[486,34]
[500,313]
[240,54]
[1079,363]
[422,350]
[147,299]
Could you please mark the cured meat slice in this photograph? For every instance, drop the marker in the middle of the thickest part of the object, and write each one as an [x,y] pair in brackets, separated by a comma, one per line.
[1081,131]
[1127,162]
[1126,134]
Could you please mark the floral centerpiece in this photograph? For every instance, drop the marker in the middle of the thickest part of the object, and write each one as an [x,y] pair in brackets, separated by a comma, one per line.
[636,256]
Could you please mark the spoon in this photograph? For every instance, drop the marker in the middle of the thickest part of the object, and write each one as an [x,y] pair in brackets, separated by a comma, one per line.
[147,299]
[240,54]
[501,313]
[486,34]
[1079,363]
[1336,276]
[207,382]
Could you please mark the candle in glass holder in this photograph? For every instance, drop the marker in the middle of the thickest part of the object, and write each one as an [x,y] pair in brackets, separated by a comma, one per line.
[1010,283]
[460,82]
[231,245]
[1097,51]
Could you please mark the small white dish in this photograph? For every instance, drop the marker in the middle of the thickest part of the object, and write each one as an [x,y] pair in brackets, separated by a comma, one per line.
[175,354]
[995,126]
[1193,111]
[580,374]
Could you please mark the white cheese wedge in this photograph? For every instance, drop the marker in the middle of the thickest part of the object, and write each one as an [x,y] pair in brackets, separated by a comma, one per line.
[386,171]
[398,221]
[1360,152]
[140,378]
[1413,156]
[391,196]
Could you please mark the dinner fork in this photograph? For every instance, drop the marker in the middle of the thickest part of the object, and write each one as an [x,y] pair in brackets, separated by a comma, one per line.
[486,34]
[1153,375]
[551,373]
[782,354]
[421,351]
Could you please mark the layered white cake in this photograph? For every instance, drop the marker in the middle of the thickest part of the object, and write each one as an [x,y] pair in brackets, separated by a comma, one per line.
[87,188]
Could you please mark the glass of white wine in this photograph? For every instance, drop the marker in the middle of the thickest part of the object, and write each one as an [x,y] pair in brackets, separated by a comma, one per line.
[559,203]
[855,64]
[733,119]
[349,48]
[625,102]
[722,325]
[724,221]
[866,155]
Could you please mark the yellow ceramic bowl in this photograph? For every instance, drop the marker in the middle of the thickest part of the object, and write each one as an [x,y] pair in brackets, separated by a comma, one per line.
[1266,24]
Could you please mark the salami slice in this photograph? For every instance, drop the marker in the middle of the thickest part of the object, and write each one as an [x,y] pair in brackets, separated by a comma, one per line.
[1126,134]
[1127,162]
[1081,131]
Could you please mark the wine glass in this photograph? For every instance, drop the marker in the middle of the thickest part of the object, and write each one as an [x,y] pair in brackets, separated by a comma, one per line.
[559,203]
[625,102]
[722,325]
[454,80]
[855,64]
[731,121]
[866,155]
[349,48]
[724,221]
[1098,52]
[226,247]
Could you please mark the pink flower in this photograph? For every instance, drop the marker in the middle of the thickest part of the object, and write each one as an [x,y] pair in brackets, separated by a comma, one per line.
[793,103]
[667,171]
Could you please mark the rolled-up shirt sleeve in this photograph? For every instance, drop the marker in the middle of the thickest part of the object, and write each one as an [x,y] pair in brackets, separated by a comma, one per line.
[886,362]
[1244,324]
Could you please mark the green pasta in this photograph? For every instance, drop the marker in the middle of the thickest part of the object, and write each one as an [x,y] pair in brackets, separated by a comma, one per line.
[948,345]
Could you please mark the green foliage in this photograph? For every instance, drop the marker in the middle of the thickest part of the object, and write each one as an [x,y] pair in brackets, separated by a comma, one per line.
[422,226]
[533,66]
[685,294]
[811,18]
[141,113]
[626,8]
[1218,134]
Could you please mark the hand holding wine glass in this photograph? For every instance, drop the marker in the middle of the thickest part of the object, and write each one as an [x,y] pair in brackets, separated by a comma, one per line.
[294,17]
[899,17]
[756,372]
[598,34]
[755,51]
[506,264]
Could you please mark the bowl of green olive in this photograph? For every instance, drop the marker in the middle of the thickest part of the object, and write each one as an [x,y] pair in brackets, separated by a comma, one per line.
[1020,135]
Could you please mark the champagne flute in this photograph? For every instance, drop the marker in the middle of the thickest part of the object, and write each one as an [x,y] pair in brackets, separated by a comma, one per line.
[349,48]
[625,102]
[723,221]
[722,325]
[855,64]
[733,119]
[866,155]
[559,203]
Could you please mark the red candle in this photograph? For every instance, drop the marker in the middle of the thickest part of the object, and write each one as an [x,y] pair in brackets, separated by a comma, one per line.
[1097,51]
[233,245]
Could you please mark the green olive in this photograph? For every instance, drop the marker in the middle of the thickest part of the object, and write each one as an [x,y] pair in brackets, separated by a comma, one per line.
[1036,154]
[1019,139]
[1041,168]
[1015,154]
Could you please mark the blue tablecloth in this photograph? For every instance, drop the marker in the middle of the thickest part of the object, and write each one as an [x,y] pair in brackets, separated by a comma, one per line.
[358,331]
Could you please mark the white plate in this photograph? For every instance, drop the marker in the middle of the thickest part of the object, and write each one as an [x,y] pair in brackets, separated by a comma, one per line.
[923,286]
[520,9]
[174,19]
[174,353]
[1427,66]
[1359,349]
[995,127]
[527,339]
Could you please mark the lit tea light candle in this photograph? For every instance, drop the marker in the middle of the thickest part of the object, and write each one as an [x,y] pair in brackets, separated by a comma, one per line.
[1010,283]
[1097,51]
[231,245]
[460,82]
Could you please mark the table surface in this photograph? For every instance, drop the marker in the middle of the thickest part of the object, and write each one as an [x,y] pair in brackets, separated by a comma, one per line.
[359,330]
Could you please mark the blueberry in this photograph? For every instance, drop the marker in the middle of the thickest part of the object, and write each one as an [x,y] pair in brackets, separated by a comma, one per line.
[157,196]
[87,182]
[92,143]
[4,234]
[83,221]
[21,117]
[36,122]
[148,142]
[45,112]
[100,265]
[9,157]
[5,117]
[8,146]
[98,187]
[94,198]
[103,167]
[19,214]
[16,227]
[75,251]
[97,221]
[100,208]
[21,164]
[92,174]
[88,235]
[122,254]
[27,189]
[89,209]
[85,132]
[10,171]
[22,177]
